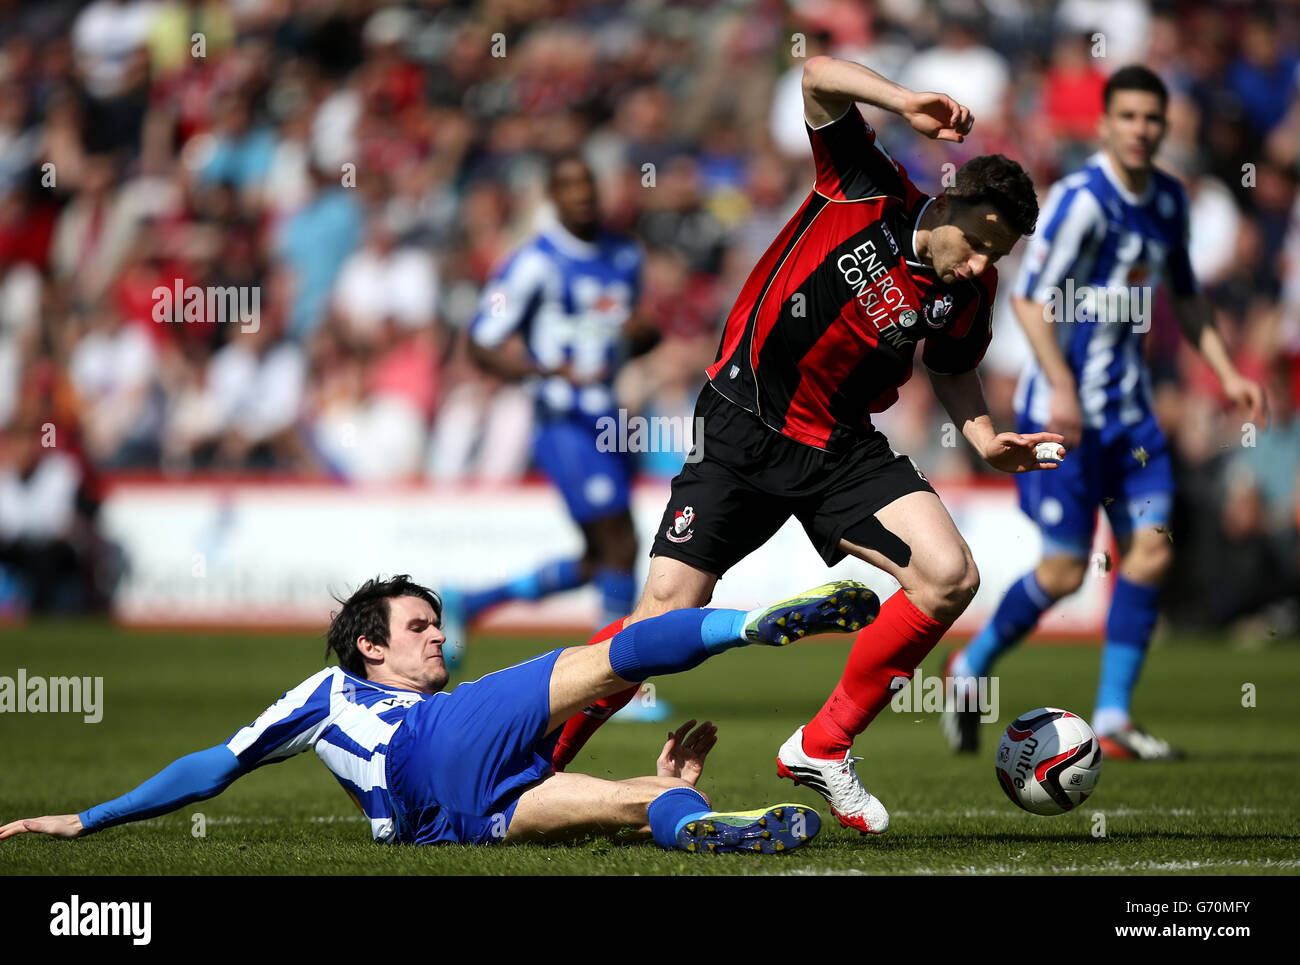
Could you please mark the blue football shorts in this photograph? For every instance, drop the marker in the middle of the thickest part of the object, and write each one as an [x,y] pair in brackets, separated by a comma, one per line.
[1123,469]
[460,760]
[594,484]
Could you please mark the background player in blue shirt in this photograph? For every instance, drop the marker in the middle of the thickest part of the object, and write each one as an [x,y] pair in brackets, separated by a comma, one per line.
[560,314]
[474,765]
[1109,234]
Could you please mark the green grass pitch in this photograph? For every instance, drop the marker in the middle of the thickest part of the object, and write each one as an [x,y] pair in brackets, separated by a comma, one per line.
[1232,808]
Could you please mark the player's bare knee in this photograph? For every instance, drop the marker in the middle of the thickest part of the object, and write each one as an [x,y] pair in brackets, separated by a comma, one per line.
[1061,576]
[959,578]
[1148,563]
[951,586]
[971,583]
[581,675]
[652,604]
[661,597]
[1066,581]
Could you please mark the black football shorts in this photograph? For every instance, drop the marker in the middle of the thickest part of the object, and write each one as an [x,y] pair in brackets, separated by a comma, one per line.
[749,479]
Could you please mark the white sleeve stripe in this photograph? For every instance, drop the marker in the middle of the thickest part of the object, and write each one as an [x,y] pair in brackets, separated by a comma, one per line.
[361,725]
[1038,246]
[367,774]
[508,299]
[1066,244]
[286,707]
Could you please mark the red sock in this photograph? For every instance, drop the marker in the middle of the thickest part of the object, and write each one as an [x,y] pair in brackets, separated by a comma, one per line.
[890,648]
[579,728]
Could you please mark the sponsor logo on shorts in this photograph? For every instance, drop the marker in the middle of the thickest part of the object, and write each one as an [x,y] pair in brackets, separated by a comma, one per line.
[681,530]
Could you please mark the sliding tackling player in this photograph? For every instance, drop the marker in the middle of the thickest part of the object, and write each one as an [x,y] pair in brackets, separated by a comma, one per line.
[474,765]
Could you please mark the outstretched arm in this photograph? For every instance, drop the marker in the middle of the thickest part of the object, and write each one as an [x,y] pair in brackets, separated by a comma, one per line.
[963,398]
[830,86]
[289,726]
[194,777]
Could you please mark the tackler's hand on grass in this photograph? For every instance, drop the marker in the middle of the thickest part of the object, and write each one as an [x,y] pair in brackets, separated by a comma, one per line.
[55,825]
[684,751]
[1015,452]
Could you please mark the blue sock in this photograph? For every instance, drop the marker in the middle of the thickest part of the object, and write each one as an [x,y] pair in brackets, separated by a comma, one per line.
[1015,616]
[617,593]
[672,809]
[1132,618]
[554,577]
[675,641]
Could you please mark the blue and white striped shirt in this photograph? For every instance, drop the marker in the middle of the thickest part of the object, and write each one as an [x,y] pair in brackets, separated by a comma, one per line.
[1095,263]
[569,299]
[349,722]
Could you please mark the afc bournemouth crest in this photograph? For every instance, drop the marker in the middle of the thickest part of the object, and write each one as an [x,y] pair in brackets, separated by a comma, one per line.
[681,530]
[937,311]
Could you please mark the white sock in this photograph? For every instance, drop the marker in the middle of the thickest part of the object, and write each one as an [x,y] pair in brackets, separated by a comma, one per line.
[1109,720]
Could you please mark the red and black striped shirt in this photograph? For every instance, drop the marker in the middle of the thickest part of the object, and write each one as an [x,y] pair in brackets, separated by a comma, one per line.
[824,331]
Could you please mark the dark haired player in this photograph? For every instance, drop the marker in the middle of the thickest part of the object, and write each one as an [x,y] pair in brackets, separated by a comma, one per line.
[474,765]
[822,335]
[1113,231]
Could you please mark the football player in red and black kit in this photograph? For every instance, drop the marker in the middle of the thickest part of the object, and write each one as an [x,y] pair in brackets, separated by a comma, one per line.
[822,335]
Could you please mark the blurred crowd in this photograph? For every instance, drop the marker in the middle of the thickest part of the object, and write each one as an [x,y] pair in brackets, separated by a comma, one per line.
[360,168]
